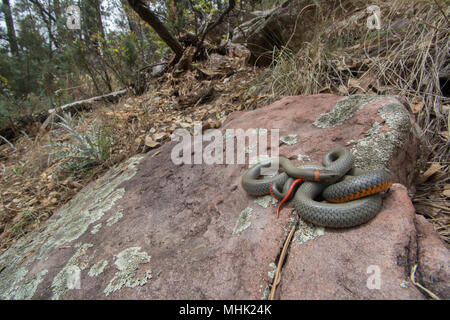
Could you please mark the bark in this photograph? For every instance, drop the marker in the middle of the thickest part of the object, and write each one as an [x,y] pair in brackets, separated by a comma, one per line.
[134,27]
[151,18]
[6,8]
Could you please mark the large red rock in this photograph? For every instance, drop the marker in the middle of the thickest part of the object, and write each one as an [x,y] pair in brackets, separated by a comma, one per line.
[150,229]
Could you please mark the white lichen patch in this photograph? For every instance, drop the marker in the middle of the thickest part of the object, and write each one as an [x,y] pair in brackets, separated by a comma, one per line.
[343,110]
[113,219]
[96,228]
[88,206]
[97,268]
[128,262]
[307,231]
[27,289]
[8,286]
[376,126]
[303,158]
[289,139]
[273,270]
[79,261]
[376,150]
[265,201]
[266,293]
[404,284]
[243,222]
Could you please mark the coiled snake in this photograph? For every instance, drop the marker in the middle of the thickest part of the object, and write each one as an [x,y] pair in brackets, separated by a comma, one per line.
[355,195]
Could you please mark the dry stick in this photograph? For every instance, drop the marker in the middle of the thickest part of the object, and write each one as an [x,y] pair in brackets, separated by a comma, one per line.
[277,278]
[413,279]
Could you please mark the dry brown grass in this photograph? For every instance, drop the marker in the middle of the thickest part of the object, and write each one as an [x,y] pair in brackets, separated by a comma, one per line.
[404,57]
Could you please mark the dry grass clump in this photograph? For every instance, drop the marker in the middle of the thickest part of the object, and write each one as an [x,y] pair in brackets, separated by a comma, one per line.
[406,57]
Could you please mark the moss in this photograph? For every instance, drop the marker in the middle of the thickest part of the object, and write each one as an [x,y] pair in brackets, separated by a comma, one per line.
[128,262]
[343,110]
[243,222]
[97,268]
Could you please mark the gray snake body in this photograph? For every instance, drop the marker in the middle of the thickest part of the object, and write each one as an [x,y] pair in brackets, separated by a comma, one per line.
[357,194]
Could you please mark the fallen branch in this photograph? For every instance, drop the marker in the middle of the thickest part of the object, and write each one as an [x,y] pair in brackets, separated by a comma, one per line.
[277,278]
[82,104]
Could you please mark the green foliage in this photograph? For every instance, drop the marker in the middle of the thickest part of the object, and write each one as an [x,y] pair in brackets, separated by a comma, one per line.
[84,150]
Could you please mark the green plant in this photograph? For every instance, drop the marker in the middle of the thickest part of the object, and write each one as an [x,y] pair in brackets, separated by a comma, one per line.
[84,150]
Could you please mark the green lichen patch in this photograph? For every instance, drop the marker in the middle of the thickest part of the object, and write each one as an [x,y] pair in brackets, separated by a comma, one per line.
[243,222]
[87,207]
[307,231]
[343,110]
[289,139]
[376,149]
[80,260]
[113,219]
[265,201]
[97,268]
[128,262]
[27,289]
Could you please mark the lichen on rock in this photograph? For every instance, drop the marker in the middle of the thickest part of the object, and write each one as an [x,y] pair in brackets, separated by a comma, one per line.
[70,222]
[243,222]
[343,110]
[289,139]
[128,262]
[265,201]
[97,268]
[307,231]
[375,150]
[113,219]
[79,260]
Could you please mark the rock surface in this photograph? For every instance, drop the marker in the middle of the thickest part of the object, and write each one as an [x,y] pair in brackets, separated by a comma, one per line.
[150,229]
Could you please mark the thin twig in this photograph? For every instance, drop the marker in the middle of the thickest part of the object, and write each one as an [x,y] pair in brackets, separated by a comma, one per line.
[413,279]
[277,278]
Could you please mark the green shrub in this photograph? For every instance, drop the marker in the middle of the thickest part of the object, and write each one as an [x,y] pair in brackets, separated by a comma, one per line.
[84,150]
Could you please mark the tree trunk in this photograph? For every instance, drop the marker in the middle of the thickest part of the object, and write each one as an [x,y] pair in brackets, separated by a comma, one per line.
[148,16]
[134,27]
[6,8]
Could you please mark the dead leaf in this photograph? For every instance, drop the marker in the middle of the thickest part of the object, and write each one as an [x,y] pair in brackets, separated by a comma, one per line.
[434,168]
[446,191]
[416,105]
[149,142]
